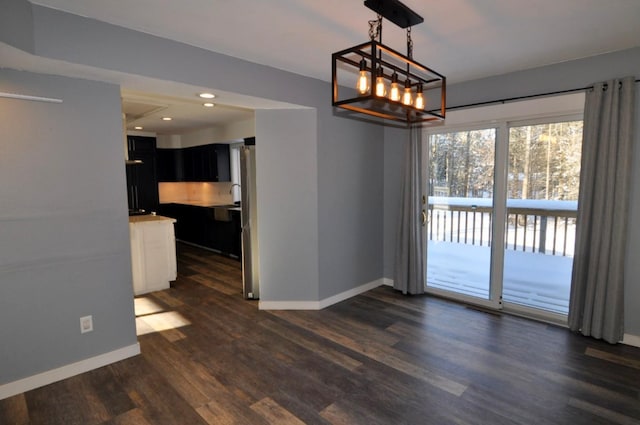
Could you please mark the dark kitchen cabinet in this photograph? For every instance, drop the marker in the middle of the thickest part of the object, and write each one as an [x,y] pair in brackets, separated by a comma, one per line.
[142,183]
[191,222]
[199,226]
[235,234]
[170,165]
[139,145]
[206,163]
[221,158]
[192,164]
[195,228]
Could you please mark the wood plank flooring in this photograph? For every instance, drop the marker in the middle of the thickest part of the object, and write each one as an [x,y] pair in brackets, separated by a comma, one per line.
[210,357]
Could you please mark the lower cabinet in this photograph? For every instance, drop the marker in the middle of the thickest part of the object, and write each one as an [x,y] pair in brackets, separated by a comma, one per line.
[153,253]
[203,227]
[235,247]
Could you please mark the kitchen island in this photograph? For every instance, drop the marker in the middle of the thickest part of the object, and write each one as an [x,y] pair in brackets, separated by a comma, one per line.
[153,252]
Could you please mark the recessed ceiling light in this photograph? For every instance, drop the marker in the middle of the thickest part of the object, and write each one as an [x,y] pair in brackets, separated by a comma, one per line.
[209,104]
[207,95]
[166,118]
[137,127]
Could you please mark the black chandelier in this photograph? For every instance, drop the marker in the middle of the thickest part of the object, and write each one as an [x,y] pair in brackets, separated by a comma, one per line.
[378,81]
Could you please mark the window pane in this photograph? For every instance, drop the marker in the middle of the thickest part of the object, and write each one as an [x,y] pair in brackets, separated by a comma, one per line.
[543,184]
[461,168]
[544,161]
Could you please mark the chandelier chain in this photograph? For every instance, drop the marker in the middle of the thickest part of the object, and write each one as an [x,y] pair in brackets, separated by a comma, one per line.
[375,29]
[409,44]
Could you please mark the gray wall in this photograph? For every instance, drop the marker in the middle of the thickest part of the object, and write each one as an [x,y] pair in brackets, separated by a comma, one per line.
[395,143]
[64,250]
[339,246]
[16,24]
[350,201]
[563,76]
[349,153]
[287,179]
[71,38]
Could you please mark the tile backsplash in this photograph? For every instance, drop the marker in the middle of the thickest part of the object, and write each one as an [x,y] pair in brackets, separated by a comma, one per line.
[199,192]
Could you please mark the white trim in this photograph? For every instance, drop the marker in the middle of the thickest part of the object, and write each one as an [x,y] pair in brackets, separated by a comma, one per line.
[319,305]
[288,305]
[64,372]
[633,340]
[536,314]
[28,97]
[464,298]
[350,293]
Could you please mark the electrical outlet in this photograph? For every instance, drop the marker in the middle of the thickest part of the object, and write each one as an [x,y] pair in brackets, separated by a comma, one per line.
[86,324]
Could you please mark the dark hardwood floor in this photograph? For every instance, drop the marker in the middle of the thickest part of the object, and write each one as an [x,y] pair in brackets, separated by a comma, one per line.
[210,357]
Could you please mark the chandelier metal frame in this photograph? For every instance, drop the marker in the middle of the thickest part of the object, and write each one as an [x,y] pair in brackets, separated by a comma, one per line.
[381,64]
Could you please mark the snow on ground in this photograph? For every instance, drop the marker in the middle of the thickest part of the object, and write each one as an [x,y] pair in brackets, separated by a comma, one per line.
[530,279]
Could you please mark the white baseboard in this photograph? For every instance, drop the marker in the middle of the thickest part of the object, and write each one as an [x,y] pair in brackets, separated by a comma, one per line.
[288,305]
[67,371]
[633,340]
[319,305]
[628,339]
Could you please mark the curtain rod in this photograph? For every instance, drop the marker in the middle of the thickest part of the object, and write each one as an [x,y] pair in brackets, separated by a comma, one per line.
[513,99]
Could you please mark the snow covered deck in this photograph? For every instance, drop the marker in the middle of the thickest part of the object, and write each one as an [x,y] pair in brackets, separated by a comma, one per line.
[539,242]
[531,279]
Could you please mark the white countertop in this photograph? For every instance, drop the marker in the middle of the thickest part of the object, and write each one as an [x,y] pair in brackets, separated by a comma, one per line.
[149,218]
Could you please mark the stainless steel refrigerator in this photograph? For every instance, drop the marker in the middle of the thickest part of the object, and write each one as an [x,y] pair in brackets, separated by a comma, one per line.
[250,257]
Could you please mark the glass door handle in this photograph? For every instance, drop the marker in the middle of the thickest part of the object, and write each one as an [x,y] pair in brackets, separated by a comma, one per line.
[424,217]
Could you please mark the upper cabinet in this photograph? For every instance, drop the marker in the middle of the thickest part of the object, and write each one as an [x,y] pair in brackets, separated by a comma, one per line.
[142,184]
[206,163]
[170,165]
[223,163]
[141,146]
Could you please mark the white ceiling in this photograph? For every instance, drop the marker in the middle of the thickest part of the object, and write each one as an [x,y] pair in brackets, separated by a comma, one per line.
[147,110]
[462,39]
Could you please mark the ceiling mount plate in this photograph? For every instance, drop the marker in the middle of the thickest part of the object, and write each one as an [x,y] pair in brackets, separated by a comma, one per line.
[395,11]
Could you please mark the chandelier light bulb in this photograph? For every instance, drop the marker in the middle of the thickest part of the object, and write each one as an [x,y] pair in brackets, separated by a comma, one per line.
[419,103]
[381,87]
[363,85]
[394,93]
[407,98]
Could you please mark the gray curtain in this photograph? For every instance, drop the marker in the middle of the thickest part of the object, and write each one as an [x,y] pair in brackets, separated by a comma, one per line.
[597,283]
[410,250]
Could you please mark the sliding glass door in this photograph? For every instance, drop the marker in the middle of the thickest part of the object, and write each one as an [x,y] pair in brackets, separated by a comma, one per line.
[460,213]
[502,203]
[542,201]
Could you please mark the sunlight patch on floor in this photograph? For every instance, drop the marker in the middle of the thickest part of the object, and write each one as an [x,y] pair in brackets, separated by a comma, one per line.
[159,322]
[144,306]
[151,317]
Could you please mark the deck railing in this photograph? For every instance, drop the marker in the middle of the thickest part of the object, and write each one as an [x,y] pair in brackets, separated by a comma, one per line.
[546,227]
